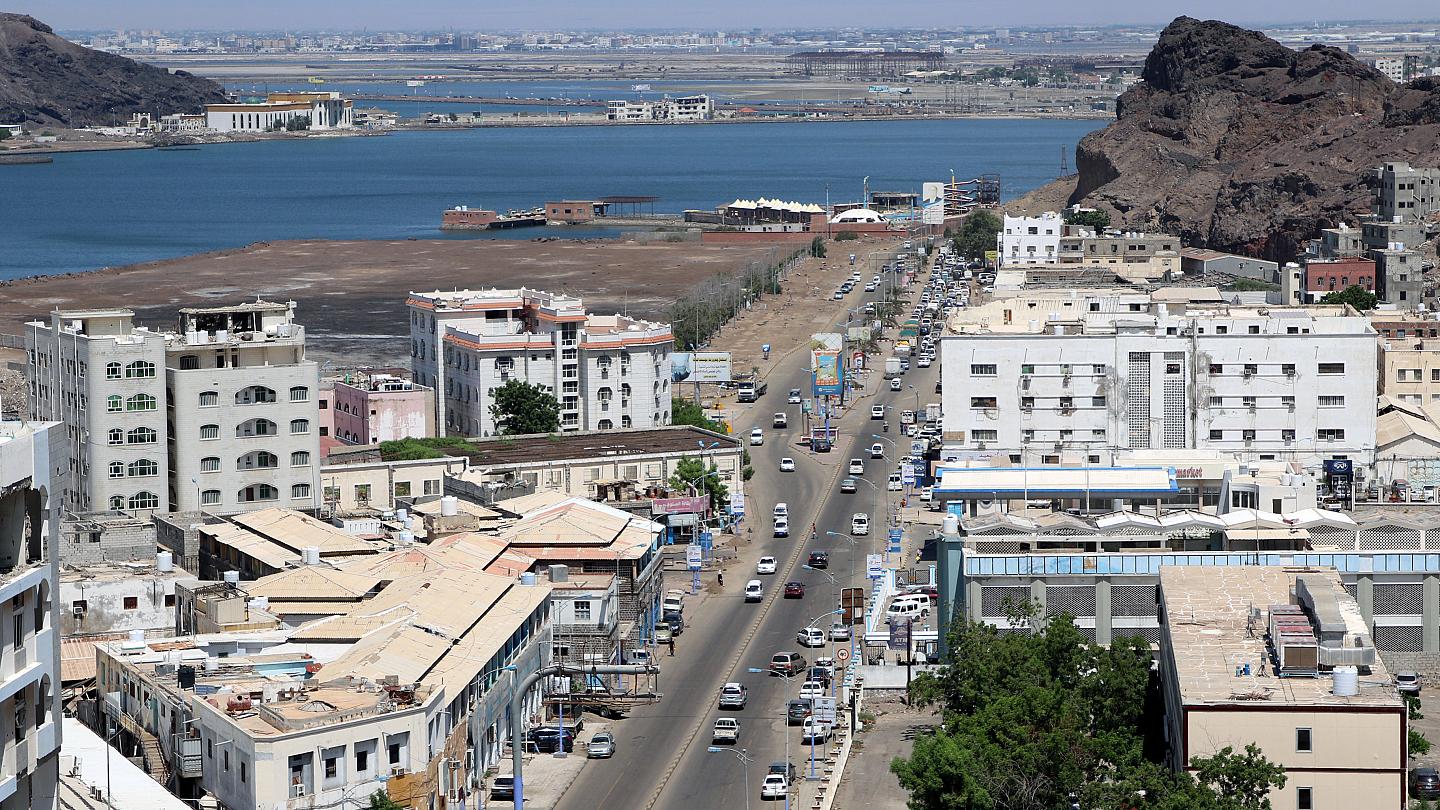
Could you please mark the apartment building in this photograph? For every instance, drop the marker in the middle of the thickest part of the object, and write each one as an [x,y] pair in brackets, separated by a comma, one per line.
[1404,193]
[1030,240]
[33,467]
[681,108]
[371,408]
[1324,276]
[1409,364]
[230,424]
[1075,387]
[607,371]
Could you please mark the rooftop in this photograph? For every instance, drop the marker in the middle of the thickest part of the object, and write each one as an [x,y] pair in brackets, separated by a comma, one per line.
[542,448]
[1210,631]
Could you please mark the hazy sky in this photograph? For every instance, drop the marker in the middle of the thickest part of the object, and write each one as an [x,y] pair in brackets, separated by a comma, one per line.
[722,14]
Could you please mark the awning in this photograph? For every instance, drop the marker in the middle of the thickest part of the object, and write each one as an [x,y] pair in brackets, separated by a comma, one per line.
[681,519]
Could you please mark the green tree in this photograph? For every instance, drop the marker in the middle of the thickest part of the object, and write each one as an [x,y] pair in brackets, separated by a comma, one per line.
[817,248]
[1099,220]
[691,472]
[1419,744]
[380,800]
[685,412]
[1354,295]
[977,234]
[4,134]
[523,408]
[1246,779]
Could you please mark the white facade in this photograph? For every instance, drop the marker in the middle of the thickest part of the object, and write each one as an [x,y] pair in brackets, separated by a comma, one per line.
[683,108]
[1394,69]
[32,470]
[607,371]
[322,110]
[1294,385]
[1030,240]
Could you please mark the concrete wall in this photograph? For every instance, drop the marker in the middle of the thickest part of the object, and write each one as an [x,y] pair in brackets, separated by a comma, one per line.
[105,605]
[99,540]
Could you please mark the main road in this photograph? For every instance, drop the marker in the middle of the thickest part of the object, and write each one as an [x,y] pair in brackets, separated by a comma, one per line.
[662,758]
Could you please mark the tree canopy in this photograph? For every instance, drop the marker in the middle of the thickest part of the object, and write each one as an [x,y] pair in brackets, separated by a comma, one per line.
[1354,295]
[524,408]
[692,472]
[1091,219]
[685,412]
[977,234]
[1030,719]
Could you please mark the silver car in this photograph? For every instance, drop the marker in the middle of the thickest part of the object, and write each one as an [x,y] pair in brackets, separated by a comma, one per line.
[602,746]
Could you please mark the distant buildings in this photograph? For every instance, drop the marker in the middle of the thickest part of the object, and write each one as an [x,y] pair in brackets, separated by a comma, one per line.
[1404,193]
[1394,69]
[682,108]
[312,111]
[1047,240]
[607,371]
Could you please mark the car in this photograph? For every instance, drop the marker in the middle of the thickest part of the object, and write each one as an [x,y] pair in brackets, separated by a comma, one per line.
[782,527]
[929,590]
[810,637]
[904,365]
[733,696]
[818,559]
[813,730]
[827,663]
[794,590]
[793,397]
[726,731]
[848,486]
[781,510]
[1408,683]
[787,464]
[927,494]
[811,689]
[924,361]
[894,483]
[602,746]
[779,420]
[754,591]
[757,436]
[675,623]
[786,663]
[547,739]
[877,450]
[784,769]
[839,631]
[663,633]
[839,295]
[774,787]
[819,674]
[896,385]
[503,788]
[766,565]
[671,616]
[869,286]
[1425,783]
[877,411]
[859,524]
[857,467]
[796,711]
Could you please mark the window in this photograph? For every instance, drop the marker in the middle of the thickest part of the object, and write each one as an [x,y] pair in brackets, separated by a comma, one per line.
[210,497]
[1302,740]
[114,404]
[1287,436]
[1217,435]
[210,464]
[299,393]
[144,500]
[117,436]
[1217,402]
[362,493]
[257,460]
[362,760]
[582,610]
[1217,369]
[1251,369]
[988,370]
[112,371]
[258,492]
[255,395]
[1097,402]
[1332,368]
[1248,402]
[255,427]
[1248,435]
[244,772]
[299,426]
[1025,369]
[132,602]
[982,402]
[117,469]
[209,431]
[986,435]
[300,491]
[209,399]
[1330,434]
[1027,403]
[1332,401]
[139,370]
[300,458]
[142,435]
[1304,800]
[142,468]
[117,503]
[402,489]
[140,402]
[1288,369]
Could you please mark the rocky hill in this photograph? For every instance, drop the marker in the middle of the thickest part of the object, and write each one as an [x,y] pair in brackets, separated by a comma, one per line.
[1234,141]
[48,80]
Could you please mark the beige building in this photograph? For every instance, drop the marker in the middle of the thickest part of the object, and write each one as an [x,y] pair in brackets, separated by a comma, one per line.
[369,483]
[1318,701]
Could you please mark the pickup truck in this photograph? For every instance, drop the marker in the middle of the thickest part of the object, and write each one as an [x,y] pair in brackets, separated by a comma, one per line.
[727,730]
[733,696]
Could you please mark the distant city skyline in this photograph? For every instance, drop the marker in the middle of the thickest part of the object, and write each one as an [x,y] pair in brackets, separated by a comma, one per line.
[737,15]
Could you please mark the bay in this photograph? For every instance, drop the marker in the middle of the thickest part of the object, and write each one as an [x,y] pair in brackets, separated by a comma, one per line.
[97,209]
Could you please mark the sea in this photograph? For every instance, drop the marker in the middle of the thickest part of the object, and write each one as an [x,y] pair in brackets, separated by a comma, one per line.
[96,209]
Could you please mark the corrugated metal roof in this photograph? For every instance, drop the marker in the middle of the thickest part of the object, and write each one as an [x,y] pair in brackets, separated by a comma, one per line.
[77,656]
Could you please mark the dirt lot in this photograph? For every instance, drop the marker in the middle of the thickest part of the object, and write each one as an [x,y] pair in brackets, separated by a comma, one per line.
[351,295]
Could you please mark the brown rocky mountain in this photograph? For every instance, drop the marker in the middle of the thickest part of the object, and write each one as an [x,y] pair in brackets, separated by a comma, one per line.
[1234,141]
[45,79]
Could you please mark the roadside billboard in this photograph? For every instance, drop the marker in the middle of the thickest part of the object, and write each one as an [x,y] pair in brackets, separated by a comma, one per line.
[829,374]
[689,505]
[834,341]
[700,367]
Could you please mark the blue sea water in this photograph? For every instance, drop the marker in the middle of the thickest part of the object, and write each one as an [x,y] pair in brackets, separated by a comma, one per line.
[97,209]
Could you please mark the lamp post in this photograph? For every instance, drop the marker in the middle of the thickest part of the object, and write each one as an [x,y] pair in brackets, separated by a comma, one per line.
[814,721]
[834,681]
[784,725]
[855,550]
[744,759]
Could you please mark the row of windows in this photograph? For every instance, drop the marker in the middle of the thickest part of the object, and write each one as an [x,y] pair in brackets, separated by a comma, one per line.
[254,395]
[138,370]
[1286,435]
[256,460]
[255,492]
[136,469]
[138,402]
[1327,401]
[140,500]
[257,427]
[141,435]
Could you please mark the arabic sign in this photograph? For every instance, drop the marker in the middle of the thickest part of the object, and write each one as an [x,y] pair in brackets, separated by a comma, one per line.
[700,367]
[829,374]
[690,505]
[694,556]
[899,634]
[737,504]
[823,709]
[874,566]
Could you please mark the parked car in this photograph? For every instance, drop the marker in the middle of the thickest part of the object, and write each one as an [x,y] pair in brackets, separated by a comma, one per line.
[820,674]
[1425,783]
[766,565]
[775,788]
[839,631]
[503,788]
[788,663]
[814,730]
[794,590]
[1408,683]
[787,464]
[811,689]
[733,696]
[810,637]
[663,633]
[894,483]
[602,746]
[784,769]
[818,559]
[796,711]
[675,623]
[547,739]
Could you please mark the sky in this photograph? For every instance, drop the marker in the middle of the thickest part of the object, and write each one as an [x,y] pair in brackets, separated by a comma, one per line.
[493,15]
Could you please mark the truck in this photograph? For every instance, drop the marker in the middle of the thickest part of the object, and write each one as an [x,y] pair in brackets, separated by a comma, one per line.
[892,367]
[932,412]
[727,731]
[751,390]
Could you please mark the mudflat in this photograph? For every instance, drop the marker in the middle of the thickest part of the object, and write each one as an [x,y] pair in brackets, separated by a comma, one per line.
[350,295]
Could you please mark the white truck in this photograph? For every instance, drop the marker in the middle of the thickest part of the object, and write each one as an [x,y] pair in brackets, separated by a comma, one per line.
[727,731]
[892,367]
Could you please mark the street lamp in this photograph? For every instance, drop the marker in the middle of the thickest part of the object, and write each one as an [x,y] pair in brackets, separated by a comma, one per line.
[784,723]
[745,760]
[855,550]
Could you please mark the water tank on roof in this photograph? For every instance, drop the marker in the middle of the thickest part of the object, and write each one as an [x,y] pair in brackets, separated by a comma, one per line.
[449,506]
[1345,681]
[527,578]
[232,577]
[137,637]
[212,664]
[164,562]
[401,515]
[950,526]
[185,676]
[406,538]
[310,555]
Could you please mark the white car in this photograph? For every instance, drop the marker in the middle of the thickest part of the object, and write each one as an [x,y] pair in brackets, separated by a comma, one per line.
[924,361]
[877,450]
[782,510]
[896,385]
[859,524]
[839,631]
[757,436]
[810,637]
[782,527]
[787,464]
[811,689]
[893,483]
[877,411]
[774,787]
[814,730]
[927,495]
[766,565]
[857,466]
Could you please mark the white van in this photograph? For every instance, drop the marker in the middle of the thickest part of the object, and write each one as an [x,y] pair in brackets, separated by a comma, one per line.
[754,591]
[782,510]
[909,606]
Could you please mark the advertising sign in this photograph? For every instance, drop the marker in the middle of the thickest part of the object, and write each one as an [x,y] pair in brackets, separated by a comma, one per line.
[707,541]
[874,566]
[737,504]
[907,475]
[932,192]
[857,359]
[933,213]
[823,709]
[834,341]
[829,374]
[689,505]
[700,367]
[899,634]
[694,556]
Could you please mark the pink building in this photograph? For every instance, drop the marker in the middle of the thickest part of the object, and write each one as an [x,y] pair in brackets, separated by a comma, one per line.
[381,408]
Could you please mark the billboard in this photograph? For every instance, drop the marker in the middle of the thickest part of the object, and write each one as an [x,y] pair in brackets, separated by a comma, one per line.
[700,367]
[829,373]
[932,192]
[933,213]
[834,341]
[689,505]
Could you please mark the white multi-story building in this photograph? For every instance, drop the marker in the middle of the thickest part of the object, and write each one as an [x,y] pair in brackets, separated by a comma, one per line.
[231,425]
[33,467]
[1078,385]
[1030,240]
[1394,69]
[682,108]
[607,371]
[317,110]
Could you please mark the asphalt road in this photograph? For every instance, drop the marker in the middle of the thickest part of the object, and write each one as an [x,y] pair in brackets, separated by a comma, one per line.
[662,758]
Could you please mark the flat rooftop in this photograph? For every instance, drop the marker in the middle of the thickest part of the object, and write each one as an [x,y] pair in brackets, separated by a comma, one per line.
[540,448]
[987,483]
[1207,622]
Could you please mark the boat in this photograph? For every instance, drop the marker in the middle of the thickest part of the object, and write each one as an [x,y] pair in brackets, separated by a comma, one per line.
[465,218]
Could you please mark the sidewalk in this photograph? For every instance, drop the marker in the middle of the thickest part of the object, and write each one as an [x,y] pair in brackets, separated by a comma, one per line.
[867,782]
[547,776]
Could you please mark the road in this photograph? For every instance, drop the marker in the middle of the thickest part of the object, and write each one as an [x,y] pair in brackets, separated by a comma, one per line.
[662,758]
